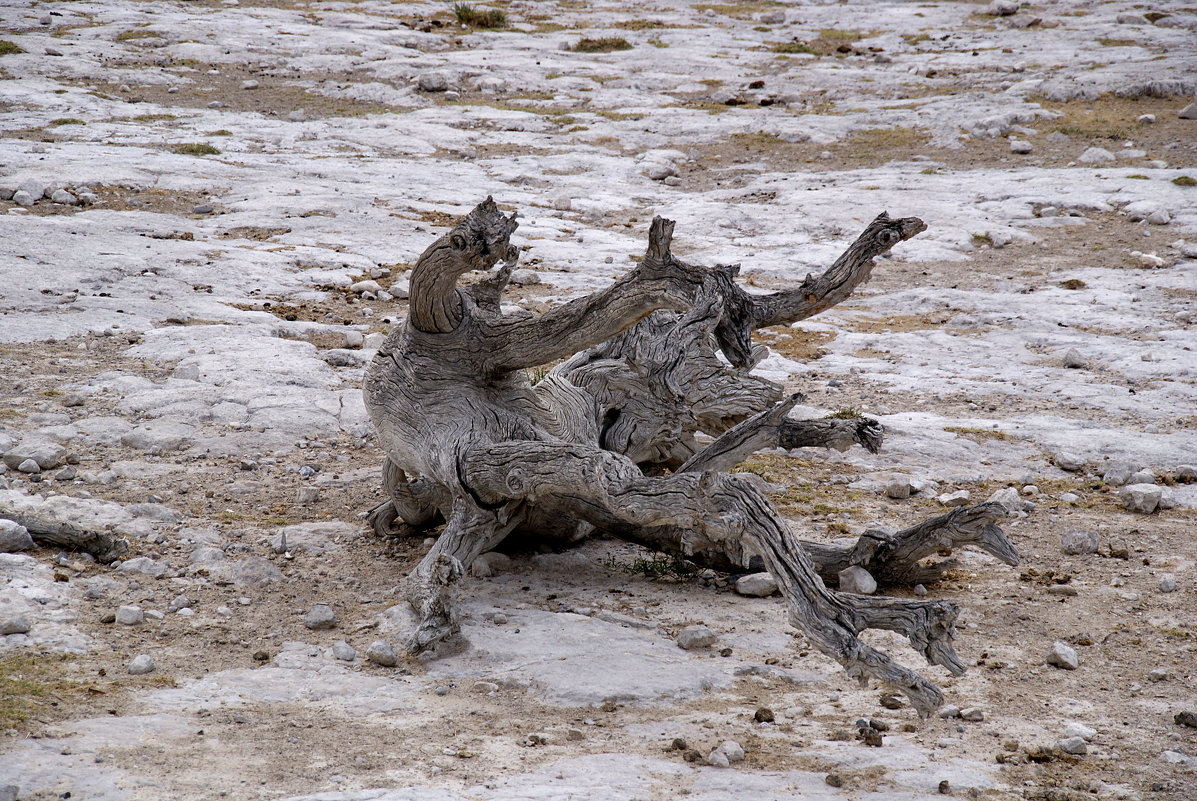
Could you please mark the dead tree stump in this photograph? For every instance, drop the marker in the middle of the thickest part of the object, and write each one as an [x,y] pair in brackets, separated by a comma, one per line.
[608,439]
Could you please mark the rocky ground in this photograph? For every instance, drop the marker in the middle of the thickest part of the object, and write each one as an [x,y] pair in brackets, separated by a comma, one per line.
[207,210]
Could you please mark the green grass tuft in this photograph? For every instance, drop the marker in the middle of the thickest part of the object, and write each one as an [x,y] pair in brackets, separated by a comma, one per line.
[607,44]
[8,48]
[196,149]
[466,14]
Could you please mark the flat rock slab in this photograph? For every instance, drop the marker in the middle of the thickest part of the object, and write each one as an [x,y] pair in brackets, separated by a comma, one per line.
[574,660]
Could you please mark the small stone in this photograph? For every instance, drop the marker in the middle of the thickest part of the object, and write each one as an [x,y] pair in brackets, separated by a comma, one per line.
[1186,474]
[130,615]
[1119,549]
[451,96]
[856,579]
[141,665]
[202,208]
[307,495]
[1073,745]
[1189,112]
[29,466]
[344,651]
[692,637]
[954,499]
[891,701]
[1062,656]
[871,737]
[1157,217]
[14,625]
[362,287]
[1080,730]
[898,489]
[433,82]
[574,735]
[833,780]
[1158,675]
[1073,359]
[772,17]
[1069,462]
[1020,146]
[562,203]
[525,278]
[441,690]
[32,187]
[1096,155]
[1002,8]
[764,715]
[756,585]
[180,602]
[381,653]
[1070,497]
[63,198]
[1062,590]
[1167,584]
[354,339]
[718,759]
[320,617]
[1141,498]
[732,750]
[920,591]
[14,537]
[972,714]
[1118,473]
[1185,718]
[68,473]
[23,198]
[660,170]
[485,687]
[945,787]
[249,84]
[1013,502]
[1079,542]
[1146,119]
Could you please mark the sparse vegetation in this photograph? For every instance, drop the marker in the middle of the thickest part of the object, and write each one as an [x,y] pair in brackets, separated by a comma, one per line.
[1073,283]
[976,434]
[154,117]
[639,24]
[196,149]
[30,684]
[8,48]
[847,413]
[655,568]
[790,48]
[67,121]
[489,18]
[1184,180]
[220,132]
[606,44]
[136,33]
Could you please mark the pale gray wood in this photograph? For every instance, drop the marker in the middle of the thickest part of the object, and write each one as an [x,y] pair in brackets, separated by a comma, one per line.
[68,535]
[469,440]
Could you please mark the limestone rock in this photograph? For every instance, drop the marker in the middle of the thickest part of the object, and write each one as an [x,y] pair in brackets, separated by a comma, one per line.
[1062,656]
[381,653]
[141,665]
[1142,498]
[757,585]
[1079,542]
[18,624]
[857,580]
[320,617]
[130,615]
[693,637]
[14,537]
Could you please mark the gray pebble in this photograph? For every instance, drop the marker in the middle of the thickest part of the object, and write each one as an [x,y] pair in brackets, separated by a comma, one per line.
[950,711]
[920,590]
[954,499]
[1080,730]
[344,651]
[141,665]
[756,585]
[320,617]
[898,489]
[972,714]
[32,187]
[1062,656]
[249,84]
[1141,477]
[29,466]
[1079,542]
[1072,745]
[14,537]
[441,690]
[1096,155]
[1142,498]
[130,615]
[381,653]
[14,625]
[856,579]
[64,198]
[202,208]
[1167,584]
[692,637]
[1189,112]
[1069,462]
[562,203]
[1073,359]
[1020,146]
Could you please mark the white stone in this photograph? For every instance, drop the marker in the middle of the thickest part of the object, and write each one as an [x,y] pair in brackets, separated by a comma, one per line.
[898,488]
[1096,155]
[1167,584]
[141,665]
[562,203]
[1062,656]
[718,759]
[1080,730]
[14,537]
[63,198]
[433,82]
[756,585]
[143,565]
[249,84]
[1009,498]
[1002,8]
[344,651]
[1020,146]
[1141,498]
[368,285]
[1159,217]
[130,615]
[692,637]
[1072,745]
[381,653]
[953,499]
[732,750]
[1069,462]
[972,714]
[856,579]
[1079,542]
[659,170]
[19,624]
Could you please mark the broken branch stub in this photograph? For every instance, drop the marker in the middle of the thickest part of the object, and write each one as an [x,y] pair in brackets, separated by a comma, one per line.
[470,441]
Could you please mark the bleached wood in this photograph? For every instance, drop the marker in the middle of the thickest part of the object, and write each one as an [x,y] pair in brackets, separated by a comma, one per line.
[469,440]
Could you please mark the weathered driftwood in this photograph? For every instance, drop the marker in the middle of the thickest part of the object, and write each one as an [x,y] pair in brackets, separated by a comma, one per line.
[48,530]
[608,439]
